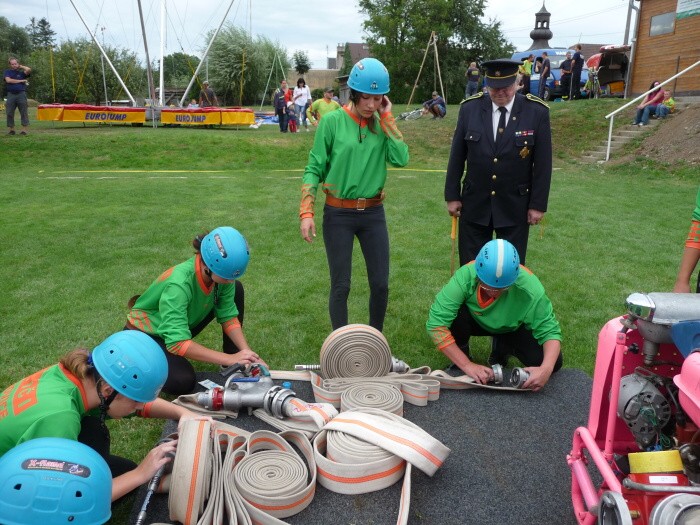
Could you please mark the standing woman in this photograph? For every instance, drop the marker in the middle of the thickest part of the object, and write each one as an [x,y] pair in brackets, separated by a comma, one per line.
[71,400]
[184,299]
[302,96]
[349,157]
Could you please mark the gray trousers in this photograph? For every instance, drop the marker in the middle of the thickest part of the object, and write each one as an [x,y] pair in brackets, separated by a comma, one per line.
[17,100]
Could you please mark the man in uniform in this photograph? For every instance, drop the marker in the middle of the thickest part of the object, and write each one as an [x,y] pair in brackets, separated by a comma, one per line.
[506,142]
[565,69]
[576,68]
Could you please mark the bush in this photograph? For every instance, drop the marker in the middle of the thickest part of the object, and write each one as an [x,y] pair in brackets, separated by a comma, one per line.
[317,93]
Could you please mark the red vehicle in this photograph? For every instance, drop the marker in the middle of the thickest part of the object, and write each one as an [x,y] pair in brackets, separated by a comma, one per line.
[609,69]
[637,462]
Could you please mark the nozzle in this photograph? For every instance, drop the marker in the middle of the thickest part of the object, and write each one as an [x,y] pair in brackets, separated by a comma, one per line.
[307,367]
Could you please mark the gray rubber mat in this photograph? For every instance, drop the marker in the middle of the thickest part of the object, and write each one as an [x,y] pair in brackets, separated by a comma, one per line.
[507,463]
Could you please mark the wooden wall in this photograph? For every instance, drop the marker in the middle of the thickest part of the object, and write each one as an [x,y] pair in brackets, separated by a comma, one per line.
[660,57]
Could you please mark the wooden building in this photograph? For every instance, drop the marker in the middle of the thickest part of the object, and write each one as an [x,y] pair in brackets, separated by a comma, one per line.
[667,42]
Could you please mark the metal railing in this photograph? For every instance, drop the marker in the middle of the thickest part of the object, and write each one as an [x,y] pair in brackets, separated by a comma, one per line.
[611,116]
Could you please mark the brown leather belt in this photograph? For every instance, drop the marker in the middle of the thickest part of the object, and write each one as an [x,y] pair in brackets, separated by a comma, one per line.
[354,204]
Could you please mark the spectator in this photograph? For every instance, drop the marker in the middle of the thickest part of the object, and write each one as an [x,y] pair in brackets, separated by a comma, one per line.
[435,105]
[301,97]
[193,104]
[473,76]
[505,141]
[322,106]
[667,107]
[576,68]
[648,105]
[280,104]
[495,296]
[351,150]
[545,70]
[16,80]
[525,71]
[691,253]
[565,78]
[292,117]
[121,376]
[184,299]
[207,97]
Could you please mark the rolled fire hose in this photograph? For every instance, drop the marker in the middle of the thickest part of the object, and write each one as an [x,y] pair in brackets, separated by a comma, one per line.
[355,350]
[260,478]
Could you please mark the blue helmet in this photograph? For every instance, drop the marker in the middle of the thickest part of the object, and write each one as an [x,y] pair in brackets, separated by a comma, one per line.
[133,364]
[369,76]
[54,481]
[225,252]
[497,264]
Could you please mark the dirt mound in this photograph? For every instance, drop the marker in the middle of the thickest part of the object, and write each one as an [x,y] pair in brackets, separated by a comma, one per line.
[677,138]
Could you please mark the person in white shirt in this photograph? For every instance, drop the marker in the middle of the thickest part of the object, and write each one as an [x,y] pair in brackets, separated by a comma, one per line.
[301,98]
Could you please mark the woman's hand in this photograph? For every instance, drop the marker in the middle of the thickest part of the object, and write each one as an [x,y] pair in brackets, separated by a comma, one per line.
[308,229]
[246,357]
[385,106]
[155,459]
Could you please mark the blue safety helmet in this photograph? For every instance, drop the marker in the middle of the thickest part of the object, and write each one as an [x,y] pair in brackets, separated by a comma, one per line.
[497,264]
[369,76]
[52,481]
[133,364]
[225,252]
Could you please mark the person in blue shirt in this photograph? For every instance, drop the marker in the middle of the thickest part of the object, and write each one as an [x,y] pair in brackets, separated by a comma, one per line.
[435,105]
[16,79]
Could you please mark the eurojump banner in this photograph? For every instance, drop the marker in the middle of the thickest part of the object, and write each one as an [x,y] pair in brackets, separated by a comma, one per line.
[208,116]
[85,113]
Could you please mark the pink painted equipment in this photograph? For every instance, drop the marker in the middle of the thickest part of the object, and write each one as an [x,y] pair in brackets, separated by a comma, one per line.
[637,462]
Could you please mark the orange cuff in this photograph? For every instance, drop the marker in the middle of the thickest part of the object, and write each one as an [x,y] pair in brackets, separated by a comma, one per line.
[146,410]
[231,325]
[180,347]
[388,125]
[693,240]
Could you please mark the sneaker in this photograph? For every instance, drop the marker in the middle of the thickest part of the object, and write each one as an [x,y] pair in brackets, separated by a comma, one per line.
[307,130]
[23,133]
[641,124]
[12,132]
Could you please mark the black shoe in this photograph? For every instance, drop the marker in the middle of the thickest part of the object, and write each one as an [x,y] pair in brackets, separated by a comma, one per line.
[12,132]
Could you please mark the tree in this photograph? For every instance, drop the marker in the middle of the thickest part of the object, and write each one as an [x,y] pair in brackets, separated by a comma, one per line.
[399,32]
[178,69]
[14,40]
[347,61]
[40,33]
[239,64]
[301,62]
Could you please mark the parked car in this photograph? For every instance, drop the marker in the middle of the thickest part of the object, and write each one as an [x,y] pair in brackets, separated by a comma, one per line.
[553,90]
[611,67]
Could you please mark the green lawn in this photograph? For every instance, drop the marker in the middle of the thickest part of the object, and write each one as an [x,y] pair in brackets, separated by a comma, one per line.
[91,215]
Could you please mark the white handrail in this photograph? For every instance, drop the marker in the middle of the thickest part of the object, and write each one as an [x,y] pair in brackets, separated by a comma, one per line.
[611,116]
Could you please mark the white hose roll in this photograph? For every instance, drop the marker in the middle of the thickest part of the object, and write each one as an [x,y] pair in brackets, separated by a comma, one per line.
[355,350]
[381,396]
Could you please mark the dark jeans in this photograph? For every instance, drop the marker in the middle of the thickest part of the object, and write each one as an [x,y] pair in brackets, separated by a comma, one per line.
[17,101]
[472,238]
[542,86]
[95,436]
[283,120]
[566,86]
[181,375]
[340,227]
[519,343]
[576,84]
[526,85]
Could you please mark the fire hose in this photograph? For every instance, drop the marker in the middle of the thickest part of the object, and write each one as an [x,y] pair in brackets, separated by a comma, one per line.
[154,483]
[262,477]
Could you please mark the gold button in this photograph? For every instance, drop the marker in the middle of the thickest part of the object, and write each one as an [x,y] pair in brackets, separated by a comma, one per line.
[493,177]
[495,160]
[526,142]
[493,193]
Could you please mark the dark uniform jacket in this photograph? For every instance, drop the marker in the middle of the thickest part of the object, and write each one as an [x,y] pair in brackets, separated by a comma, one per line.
[500,185]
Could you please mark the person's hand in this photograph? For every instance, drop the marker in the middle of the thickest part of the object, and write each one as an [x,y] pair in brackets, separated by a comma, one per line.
[155,459]
[539,376]
[308,229]
[454,208]
[245,357]
[385,106]
[481,374]
[534,216]
[681,287]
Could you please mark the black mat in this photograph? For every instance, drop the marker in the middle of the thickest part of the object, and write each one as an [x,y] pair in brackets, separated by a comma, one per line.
[507,463]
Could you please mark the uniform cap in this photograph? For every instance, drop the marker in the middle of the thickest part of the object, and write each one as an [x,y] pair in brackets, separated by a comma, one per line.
[501,73]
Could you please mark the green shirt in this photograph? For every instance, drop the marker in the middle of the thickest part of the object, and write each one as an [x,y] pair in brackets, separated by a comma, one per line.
[322,107]
[523,304]
[350,168]
[696,212]
[48,403]
[178,301]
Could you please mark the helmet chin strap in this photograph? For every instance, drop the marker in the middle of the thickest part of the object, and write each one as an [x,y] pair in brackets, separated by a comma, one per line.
[104,404]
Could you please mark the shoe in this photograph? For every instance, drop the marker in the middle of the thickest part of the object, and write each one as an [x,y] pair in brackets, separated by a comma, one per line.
[499,354]
[23,133]
[12,132]
[641,124]
[635,123]
[307,130]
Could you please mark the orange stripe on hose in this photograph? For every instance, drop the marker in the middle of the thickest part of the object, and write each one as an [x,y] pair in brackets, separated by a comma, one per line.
[195,467]
[363,479]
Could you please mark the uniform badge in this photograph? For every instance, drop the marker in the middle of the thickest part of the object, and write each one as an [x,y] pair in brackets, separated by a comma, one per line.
[524,152]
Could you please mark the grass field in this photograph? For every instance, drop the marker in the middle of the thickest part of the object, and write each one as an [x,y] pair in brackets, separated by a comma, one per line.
[91,215]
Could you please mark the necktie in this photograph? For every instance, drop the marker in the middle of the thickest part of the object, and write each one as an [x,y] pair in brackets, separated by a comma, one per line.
[501,126]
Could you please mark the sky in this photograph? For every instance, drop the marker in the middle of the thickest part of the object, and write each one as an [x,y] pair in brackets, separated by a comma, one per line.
[317,27]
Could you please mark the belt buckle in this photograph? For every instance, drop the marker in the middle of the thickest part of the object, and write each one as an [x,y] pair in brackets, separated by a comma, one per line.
[361,204]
